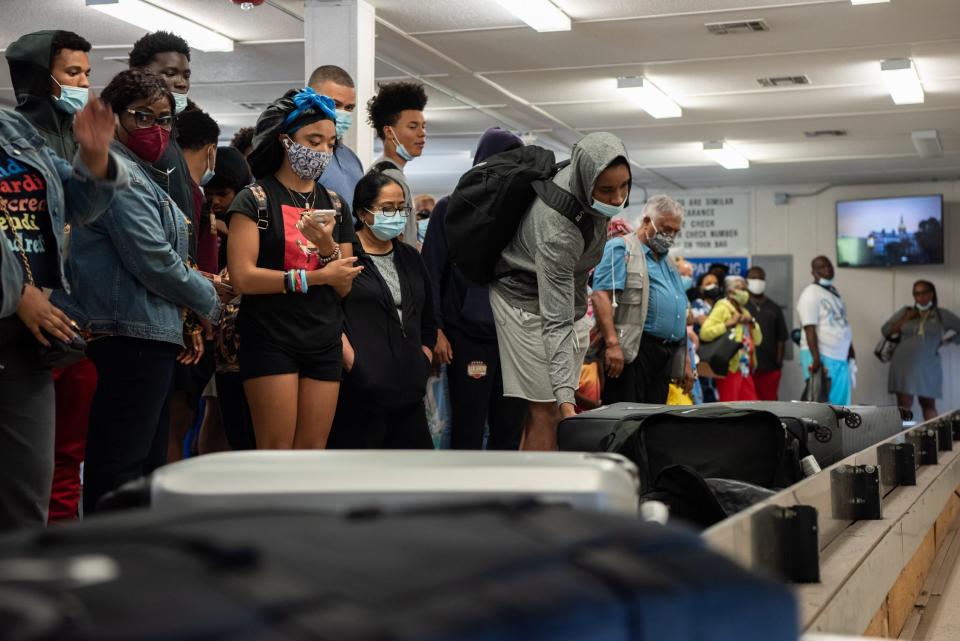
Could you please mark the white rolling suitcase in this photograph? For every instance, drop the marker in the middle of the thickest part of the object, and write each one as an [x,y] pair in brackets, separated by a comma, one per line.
[355,479]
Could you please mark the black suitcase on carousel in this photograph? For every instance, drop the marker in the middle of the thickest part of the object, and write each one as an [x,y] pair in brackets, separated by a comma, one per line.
[479,573]
[752,446]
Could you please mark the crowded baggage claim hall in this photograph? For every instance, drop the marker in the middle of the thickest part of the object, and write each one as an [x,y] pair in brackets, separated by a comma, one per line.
[497,320]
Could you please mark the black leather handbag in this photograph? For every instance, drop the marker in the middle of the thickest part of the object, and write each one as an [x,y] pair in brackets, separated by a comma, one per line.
[60,353]
[718,352]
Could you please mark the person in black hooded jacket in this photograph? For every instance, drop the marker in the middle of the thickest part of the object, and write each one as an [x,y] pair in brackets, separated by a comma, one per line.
[389,329]
[466,335]
[51,77]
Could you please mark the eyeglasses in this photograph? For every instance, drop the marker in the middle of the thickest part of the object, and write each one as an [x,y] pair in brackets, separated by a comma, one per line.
[146,119]
[403,212]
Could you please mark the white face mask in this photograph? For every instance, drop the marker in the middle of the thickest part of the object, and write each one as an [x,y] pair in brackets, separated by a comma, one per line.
[924,308]
[756,286]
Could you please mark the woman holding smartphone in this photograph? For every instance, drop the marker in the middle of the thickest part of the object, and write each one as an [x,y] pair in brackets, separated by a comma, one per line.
[289,255]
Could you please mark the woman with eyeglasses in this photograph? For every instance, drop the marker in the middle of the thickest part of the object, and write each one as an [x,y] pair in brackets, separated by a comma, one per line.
[919,331]
[389,327]
[289,255]
[131,289]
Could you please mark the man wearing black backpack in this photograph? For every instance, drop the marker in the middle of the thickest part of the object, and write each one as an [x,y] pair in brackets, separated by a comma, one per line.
[467,336]
[539,295]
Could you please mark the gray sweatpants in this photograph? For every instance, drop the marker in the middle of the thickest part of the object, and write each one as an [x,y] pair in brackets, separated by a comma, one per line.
[27,420]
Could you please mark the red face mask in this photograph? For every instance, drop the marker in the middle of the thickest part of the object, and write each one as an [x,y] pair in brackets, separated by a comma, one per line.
[149,143]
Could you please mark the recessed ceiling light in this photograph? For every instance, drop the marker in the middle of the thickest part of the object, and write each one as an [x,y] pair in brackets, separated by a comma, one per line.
[725,155]
[927,143]
[868,1]
[541,15]
[903,83]
[649,97]
[153,18]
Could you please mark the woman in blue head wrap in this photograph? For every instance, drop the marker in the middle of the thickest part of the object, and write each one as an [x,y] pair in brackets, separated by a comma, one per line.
[289,256]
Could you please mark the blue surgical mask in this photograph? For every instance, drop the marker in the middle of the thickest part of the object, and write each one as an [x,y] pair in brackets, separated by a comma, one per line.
[387,227]
[179,102]
[687,282]
[71,99]
[344,121]
[422,229]
[826,282]
[208,175]
[608,210]
[401,150]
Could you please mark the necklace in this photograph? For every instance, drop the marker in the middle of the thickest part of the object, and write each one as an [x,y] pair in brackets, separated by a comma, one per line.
[308,200]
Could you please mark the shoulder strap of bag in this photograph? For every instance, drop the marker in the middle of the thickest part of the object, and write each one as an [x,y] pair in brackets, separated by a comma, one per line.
[19,242]
[562,201]
[260,194]
[337,203]
[382,166]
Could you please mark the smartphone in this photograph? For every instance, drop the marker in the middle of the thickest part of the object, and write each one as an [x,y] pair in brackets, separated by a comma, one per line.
[321,216]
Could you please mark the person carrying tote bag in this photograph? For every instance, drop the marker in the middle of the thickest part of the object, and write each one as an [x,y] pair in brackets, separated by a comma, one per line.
[730,316]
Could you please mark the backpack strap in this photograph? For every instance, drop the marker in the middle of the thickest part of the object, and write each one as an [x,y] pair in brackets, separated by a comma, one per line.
[382,166]
[337,204]
[263,223]
[562,201]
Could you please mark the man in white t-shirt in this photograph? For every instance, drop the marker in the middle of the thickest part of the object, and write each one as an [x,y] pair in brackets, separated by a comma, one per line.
[827,340]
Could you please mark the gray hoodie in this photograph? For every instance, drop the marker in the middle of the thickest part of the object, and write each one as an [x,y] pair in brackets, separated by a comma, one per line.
[548,264]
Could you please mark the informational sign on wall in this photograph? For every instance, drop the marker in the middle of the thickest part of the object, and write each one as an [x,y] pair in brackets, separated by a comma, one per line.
[715,224]
[736,265]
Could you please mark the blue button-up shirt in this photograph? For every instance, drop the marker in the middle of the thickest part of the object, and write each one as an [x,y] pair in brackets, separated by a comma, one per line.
[667,311]
[667,308]
[343,173]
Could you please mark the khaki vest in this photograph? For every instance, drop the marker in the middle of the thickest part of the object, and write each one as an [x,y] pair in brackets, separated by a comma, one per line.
[631,311]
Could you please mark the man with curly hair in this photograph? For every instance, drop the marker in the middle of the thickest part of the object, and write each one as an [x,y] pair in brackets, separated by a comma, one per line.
[396,114]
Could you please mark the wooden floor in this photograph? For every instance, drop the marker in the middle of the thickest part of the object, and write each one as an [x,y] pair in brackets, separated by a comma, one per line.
[936,614]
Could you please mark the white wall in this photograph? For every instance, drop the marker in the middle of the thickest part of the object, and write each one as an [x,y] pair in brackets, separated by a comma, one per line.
[806,227]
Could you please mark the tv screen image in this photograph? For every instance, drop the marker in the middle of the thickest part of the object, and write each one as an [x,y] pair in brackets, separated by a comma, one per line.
[889,232]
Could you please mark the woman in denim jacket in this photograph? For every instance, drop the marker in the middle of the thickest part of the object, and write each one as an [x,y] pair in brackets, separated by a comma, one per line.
[131,288]
[40,193]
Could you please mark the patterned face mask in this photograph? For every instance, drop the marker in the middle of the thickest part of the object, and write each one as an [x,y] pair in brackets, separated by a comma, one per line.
[306,163]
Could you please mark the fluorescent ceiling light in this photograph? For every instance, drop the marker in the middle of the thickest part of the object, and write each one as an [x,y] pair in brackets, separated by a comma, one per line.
[648,97]
[541,15]
[153,18]
[725,155]
[868,1]
[903,83]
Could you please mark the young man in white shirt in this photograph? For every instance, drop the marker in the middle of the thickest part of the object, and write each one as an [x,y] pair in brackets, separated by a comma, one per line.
[827,340]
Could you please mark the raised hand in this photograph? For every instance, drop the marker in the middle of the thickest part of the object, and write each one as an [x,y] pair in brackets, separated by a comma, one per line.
[94,128]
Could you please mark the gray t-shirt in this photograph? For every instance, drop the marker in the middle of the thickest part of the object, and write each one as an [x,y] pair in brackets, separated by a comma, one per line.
[385,265]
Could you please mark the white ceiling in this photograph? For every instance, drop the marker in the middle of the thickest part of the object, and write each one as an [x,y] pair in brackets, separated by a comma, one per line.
[483,67]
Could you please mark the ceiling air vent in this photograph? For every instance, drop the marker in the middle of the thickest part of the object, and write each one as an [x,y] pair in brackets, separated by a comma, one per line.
[784,81]
[736,26]
[826,133]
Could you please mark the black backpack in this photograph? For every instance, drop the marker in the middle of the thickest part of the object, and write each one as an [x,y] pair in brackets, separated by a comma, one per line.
[485,210]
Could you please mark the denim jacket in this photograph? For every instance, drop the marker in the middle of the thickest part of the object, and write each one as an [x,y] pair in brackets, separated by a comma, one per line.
[73,196]
[128,270]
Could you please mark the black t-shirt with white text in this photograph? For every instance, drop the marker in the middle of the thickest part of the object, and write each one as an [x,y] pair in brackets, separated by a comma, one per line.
[308,322]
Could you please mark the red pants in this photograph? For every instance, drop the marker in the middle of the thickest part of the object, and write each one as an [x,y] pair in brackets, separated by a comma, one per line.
[74,388]
[736,387]
[767,384]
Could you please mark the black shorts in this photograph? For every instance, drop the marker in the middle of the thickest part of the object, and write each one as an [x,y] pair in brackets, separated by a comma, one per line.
[263,358]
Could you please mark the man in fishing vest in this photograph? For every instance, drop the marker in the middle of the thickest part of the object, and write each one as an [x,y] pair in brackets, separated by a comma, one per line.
[640,307]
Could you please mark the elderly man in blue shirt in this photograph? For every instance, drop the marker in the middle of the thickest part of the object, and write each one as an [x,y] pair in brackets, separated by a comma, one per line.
[640,306]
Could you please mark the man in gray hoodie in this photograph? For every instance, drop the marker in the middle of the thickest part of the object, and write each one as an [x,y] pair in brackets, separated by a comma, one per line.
[540,303]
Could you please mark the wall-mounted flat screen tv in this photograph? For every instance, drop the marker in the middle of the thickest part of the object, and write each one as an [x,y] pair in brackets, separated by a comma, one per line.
[890,232]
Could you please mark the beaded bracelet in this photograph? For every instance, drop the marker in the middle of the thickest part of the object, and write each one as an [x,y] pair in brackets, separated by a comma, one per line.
[326,260]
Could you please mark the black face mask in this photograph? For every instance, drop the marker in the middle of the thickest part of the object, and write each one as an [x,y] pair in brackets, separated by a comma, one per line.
[712,294]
